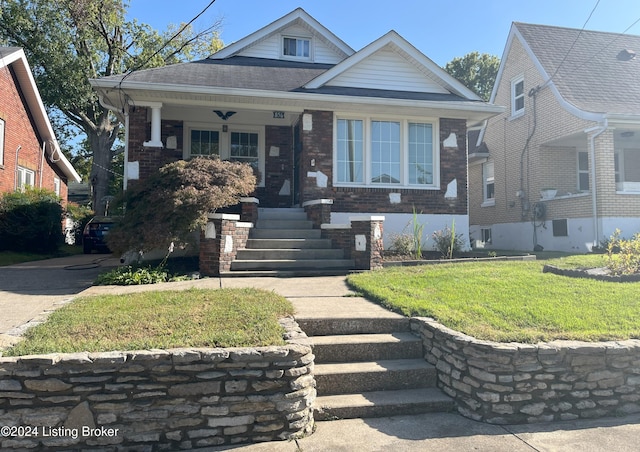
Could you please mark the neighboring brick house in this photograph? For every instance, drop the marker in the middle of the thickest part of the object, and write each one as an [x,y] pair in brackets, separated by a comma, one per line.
[378,131]
[572,125]
[29,152]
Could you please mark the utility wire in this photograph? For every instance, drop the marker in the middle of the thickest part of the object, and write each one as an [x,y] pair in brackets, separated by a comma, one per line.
[574,42]
[184,27]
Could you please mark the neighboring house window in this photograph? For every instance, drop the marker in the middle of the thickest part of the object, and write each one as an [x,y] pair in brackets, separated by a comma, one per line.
[627,170]
[1,141]
[385,153]
[485,234]
[205,142]
[296,47]
[350,148]
[583,171]
[56,186]
[560,228]
[26,178]
[488,184]
[517,96]
[244,148]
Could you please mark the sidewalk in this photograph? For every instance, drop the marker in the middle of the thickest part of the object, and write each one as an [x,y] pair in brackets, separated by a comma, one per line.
[28,289]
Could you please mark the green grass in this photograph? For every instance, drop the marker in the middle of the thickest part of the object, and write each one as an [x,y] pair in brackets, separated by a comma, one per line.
[510,301]
[12,257]
[193,318]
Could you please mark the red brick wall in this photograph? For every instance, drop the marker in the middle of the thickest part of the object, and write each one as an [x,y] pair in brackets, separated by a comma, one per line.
[21,131]
[150,159]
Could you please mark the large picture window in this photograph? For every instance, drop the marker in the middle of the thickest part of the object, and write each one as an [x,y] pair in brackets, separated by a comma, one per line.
[376,152]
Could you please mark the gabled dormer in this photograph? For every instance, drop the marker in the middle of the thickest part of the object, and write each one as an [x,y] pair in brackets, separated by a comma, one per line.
[294,37]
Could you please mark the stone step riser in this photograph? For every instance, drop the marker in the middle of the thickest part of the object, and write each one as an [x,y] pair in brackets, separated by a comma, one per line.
[285,234]
[256,244]
[299,264]
[338,326]
[357,382]
[284,224]
[331,353]
[281,214]
[283,254]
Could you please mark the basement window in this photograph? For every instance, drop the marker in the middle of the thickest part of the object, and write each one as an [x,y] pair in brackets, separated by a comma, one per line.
[560,228]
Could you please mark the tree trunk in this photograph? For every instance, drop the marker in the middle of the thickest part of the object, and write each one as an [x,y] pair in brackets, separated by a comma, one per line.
[101,141]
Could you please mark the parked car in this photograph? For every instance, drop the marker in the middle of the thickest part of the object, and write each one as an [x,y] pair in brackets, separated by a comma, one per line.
[94,234]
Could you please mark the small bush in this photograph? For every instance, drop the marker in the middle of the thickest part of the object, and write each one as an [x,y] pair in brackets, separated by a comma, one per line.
[623,255]
[447,242]
[31,221]
[136,275]
[402,244]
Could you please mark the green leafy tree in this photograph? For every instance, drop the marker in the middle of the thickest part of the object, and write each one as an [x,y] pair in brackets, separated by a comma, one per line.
[476,71]
[67,42]
[174,202]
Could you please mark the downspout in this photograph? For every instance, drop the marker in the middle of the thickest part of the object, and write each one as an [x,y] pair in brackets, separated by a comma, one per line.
[44,145]
[15,177]
[592,152]
[125,175]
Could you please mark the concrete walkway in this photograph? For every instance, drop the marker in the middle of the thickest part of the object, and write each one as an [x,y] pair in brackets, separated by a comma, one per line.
[28,290]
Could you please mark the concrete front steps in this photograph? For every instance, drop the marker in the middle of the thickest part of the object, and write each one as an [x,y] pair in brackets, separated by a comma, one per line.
[283,242]
[368,363]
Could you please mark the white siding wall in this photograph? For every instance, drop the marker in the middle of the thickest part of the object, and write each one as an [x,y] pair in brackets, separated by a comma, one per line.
[271,47]
[400,223]
[386,69]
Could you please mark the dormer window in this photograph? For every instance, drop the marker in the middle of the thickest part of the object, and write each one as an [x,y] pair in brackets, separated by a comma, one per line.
[296,47]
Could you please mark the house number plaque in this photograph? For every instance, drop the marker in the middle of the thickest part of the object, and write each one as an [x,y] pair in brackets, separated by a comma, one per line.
[278,114]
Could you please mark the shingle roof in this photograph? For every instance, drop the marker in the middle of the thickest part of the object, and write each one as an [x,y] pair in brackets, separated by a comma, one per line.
[233,72]
[596,74]
[6,51]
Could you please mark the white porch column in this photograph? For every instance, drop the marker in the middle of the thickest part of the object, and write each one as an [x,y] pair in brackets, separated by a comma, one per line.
[156,121]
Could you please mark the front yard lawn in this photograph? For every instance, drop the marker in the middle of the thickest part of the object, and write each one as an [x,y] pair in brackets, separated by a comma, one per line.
[510,301]
[192,318]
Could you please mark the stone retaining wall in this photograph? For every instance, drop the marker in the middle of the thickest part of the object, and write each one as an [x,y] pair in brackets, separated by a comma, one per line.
[511,383]
[158,399]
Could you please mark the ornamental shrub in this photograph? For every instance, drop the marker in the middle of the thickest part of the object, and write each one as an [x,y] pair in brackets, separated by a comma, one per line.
[31,221]
[447,242]
[623,255]
[174,202]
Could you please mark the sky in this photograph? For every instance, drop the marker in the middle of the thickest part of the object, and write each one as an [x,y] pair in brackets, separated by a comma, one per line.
[442,30]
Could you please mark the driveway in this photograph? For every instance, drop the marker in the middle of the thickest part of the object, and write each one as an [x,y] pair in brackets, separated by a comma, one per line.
[29,289]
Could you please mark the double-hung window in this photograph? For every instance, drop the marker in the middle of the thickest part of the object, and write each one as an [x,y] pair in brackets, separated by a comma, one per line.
[517,96]
[583,171]
[237,143]
[26,178]
[296,47]
[393,153]
[488,179]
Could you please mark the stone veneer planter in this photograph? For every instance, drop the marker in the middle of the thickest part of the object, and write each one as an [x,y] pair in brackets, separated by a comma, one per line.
[158,399]
[511,383]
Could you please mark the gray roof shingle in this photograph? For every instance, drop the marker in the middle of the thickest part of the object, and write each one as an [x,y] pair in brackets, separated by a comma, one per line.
[596,74]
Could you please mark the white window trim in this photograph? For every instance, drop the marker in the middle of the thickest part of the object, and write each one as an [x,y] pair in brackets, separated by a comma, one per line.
[404,154]
[579,172]
[514,82]
[293,57]
[57,185]
[225,142]
[2,128]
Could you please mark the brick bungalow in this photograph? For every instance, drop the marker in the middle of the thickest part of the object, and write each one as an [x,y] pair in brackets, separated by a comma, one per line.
[380,131]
